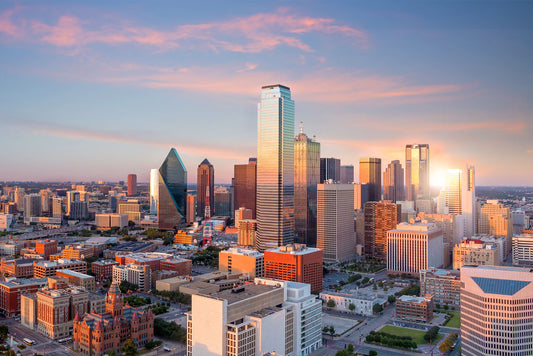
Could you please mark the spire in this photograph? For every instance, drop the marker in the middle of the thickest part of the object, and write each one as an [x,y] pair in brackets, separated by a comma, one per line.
[77,318]
[301,127]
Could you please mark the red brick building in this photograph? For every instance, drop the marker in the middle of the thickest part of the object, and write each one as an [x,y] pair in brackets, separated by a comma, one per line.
[46,248]
[10,293]
[20,268]
[44,269]
[297,263]
[97,334]
[103,270]
[182,266]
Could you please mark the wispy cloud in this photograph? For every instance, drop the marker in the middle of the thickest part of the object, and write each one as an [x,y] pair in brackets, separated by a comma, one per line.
[529,151]
[250,34]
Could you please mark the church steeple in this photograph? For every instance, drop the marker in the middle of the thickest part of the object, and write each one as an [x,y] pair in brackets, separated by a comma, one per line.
[114,301]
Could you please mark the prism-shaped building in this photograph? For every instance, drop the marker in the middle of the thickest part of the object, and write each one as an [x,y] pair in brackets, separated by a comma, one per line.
[172,210]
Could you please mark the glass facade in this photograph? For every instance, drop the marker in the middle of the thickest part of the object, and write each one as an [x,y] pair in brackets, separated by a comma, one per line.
[393,188]
[330,168]
[154,191]
[417,171]
[370,173]
[275,167]
[306,178]
[172,192]
[205,178]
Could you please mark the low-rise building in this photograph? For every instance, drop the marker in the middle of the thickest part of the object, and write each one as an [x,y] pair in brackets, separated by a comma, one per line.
[77,252]
[245,261]
[523,250]
[475,252]
[77,279]
[11,248]
[107,221]
[11,292]
[413,308]
[139,275]
[363,303]
[171,284]
[103,269]
[43,269]
[443,285]
[19,268]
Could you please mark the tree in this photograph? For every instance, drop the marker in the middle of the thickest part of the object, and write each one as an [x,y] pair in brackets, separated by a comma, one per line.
[372,353]
[446,307]
[111,353]
[3,332]
[350,348]
[128,347]
[431,334]
[325,330]
[330,303]
[351,307]
[377,308]
[331,330]
[374,287]
[391,299]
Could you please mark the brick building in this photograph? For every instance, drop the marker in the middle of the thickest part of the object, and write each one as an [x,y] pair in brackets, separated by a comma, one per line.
[413,308]
[10,294]
[296,263]
[46,248]
[180,265]
[20,268]
[43,269]
[77,279]
[96,334]
[103,269]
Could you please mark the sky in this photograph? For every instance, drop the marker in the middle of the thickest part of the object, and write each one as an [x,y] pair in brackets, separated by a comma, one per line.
[97,90]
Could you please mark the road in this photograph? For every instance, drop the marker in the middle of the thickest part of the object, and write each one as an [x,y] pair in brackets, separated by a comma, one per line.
[43,345]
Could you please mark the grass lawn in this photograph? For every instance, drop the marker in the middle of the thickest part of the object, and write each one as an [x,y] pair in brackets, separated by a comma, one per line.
[417,335]
[455,320]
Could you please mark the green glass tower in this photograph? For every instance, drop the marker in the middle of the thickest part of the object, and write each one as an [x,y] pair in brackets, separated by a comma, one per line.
[172,210]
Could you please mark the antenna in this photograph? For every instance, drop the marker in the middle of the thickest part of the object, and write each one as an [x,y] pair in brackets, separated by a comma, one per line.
[301,127]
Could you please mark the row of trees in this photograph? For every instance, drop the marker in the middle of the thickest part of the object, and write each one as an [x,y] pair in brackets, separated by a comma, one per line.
[137,301]
[173,296]
[126,287]
[169,330]
[159,308]
[447,344]
[404,342]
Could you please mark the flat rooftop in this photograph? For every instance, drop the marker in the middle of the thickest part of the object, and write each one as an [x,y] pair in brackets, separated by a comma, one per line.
[60,262]
[75,274]
[249,291]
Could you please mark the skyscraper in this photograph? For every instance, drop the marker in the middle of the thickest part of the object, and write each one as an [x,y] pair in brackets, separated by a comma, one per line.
[469,201]
[206,179]
[347,174]
[370,173]
[244,185]
[417,171]
[275,167]
[379,218]
[172,210]
[154,191]
[306,178]
[453,191]
[132,184]
[335,224]
[393,188]
[330,168]
[191,208]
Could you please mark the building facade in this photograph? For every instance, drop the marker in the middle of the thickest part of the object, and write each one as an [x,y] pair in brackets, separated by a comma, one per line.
[347,174]
[154,191]
[379,217]
[172,211]
[393,187]
[417,171]
[132,184]
[44,269]
[330,169]
[245,186]
[523,250]
[443,285]
[475,252]
[244,261]
[370,174]
[205,180]
[418,309]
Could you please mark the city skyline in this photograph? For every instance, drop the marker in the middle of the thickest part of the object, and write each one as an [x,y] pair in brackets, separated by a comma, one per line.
[100,80]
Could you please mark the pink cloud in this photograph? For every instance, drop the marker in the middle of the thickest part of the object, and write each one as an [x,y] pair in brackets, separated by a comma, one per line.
[7,26]
[529,151]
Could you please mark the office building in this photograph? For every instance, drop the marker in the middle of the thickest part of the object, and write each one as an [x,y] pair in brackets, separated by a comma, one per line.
[360,195]
[132,184]
[347,174]
[453,191]
[297,263]
[132,208]
[77,279]
[191,208]
[244,261]
[57,210]
[496,311]
[417,171]
[44,269]
[11,292]
[475,252]
[275,168]
[103,269]
[247,233]
[205,180]
[19,268]
[523,250]
[46,248]
[468,200]
[242,214]
[379,217]
[172,210]
[107,221]
[6,222]
[335,222]
[139,275]
[18,198]
[77,252]
[370,173]
[98,334]
[78,210]
[11,248]
[222,201]
[414,247]
[154,191]
[495,219]
[32,206]
[417,309]
[244,186]
[393,187]
[330,169]
[306,177]
[443,285]
[72,196]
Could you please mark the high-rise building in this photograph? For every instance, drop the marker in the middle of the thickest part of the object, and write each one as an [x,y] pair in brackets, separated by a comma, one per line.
[360,195]
[32,206]
[247,233]
[132,184]
[275,168]
[379,217]
[205,180]
[330,168]
[370,173]
[417,171]
[19,198]
[306,177]
[453,191]
[468,201]
[335,222]
[242,214]
[393,188]
[414,247]
[495,219]
[244,185]
[347,174]
[56,207]
[222,201]
[496,311]
[72,196]
[244,261]
[154,191]
[132,208]
[523,249]
[172,210]
[191,208]
[78,210]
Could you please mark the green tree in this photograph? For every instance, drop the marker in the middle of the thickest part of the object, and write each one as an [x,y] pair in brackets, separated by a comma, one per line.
[350,348]
[111,353]
[351,307]
[129,349]
[372,353]
[330,303]
[391,299]
[331,330]
[377,308]
[325,330]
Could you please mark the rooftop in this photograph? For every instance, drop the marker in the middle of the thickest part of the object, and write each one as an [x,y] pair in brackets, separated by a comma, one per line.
[75,274]
[413,299]
[243,251]
[245,292]
[295,249]
[60,262]
[499,286]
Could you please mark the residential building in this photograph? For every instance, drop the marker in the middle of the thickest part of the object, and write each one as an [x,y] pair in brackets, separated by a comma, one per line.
[98,334]
[330,169]
[414,247]
[245,186]
[307,164]
[417,171]
[132,184]
[172,211]
[205,180]
[347,174]
[32,206]
[475,252]
[247,233]
[370,173]
[103,269]
[443,285]
[523,249]
[244,261]
[43,269]
[57,210]
[335,222]
[275,168]
[77,279]
[417,309]
[134,274]
[496,311]
[379,217]
[296,263]
[393,187]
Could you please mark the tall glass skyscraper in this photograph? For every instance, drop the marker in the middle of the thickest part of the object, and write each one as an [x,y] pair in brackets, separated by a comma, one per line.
[453,191]
[154,190]
[172,192]
[206,178]
[417,171]
[469,201]
[370,173]
[393,188]
[275,167]
[306,178]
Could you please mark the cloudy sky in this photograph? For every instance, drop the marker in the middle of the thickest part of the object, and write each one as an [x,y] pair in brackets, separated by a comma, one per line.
[96,90]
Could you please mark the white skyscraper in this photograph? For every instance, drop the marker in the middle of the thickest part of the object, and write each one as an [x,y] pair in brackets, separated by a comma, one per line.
[453,191]
[275,167]
[469,201]
[154,190]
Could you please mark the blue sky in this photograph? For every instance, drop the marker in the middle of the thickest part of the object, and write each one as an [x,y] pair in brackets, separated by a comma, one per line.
[97,90]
